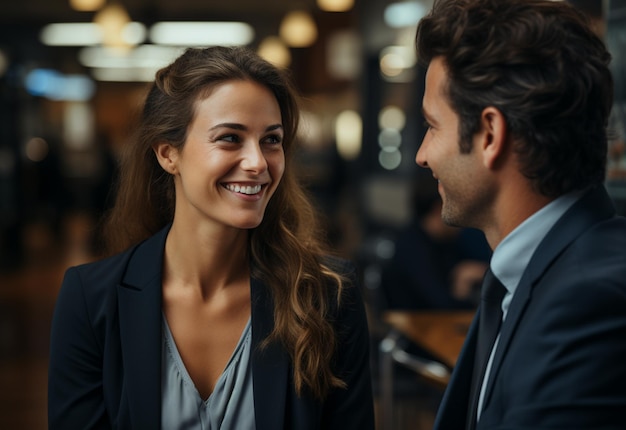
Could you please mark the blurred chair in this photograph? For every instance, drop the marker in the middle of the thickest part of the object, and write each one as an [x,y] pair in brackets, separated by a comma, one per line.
[394,350]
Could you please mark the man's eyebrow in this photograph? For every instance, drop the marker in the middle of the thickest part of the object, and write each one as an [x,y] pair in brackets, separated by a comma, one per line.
[427,116]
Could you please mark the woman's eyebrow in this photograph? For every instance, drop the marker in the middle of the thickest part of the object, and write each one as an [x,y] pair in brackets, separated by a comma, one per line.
[242,127]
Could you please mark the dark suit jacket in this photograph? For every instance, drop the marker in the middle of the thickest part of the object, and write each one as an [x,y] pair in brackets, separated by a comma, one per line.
[105,354]
[561,359]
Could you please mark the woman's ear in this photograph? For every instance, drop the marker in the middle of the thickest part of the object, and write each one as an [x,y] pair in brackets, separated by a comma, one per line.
[493,136]
[167,156]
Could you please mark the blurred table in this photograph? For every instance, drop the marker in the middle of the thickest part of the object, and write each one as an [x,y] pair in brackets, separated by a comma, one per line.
[442,333]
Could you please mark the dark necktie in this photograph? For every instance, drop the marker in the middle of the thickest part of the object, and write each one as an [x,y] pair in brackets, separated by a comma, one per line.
[490,318]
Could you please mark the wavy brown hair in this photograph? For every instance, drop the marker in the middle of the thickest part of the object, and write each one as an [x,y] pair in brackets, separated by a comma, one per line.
[285,249]
[542,66]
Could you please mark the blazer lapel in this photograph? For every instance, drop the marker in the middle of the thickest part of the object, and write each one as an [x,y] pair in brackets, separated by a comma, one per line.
[140,316]
[592,208]
[270,365]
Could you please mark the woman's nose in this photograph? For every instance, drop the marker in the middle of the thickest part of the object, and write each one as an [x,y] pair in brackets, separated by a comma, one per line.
[253,158]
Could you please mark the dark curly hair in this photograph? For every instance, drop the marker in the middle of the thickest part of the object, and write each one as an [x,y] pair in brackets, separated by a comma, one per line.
[542,66]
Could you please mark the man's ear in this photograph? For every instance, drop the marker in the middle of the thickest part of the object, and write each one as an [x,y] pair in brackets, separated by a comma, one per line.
[167,156]
[493,136]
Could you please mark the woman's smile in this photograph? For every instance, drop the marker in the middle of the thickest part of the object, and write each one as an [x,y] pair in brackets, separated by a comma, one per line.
[246,190]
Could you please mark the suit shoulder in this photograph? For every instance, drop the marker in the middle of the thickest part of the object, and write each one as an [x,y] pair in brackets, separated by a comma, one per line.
[105,266]
[604,243]
[97,278]
[593,268]
[343,267]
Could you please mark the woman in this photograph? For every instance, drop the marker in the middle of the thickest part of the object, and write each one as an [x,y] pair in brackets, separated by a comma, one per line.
[218,308]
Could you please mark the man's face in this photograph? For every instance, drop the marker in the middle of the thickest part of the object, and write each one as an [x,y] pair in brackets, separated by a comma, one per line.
[463,185]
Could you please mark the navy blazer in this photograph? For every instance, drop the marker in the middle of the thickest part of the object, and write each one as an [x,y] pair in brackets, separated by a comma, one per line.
[561,359]
[105,354]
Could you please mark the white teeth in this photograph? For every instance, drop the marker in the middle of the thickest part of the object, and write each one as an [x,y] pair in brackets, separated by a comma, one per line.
[244,189]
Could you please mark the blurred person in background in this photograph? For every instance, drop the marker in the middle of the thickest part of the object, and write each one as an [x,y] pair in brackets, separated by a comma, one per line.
[435,266]
[218,307]
[517,100]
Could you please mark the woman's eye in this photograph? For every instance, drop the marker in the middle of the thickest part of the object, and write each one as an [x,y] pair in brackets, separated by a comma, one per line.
[230,138]
[274,139]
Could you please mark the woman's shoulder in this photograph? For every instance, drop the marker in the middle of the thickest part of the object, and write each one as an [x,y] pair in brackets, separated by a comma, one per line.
[110,270]
[102,268]
[93,282]
[350,294]
[88,294]
[340,265]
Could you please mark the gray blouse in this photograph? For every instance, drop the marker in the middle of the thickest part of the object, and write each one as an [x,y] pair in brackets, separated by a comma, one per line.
[229,407]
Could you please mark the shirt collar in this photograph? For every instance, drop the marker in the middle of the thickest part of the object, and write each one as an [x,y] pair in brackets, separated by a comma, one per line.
[513,254]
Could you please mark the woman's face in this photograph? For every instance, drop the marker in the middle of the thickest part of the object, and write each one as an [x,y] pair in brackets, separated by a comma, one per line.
[233,158]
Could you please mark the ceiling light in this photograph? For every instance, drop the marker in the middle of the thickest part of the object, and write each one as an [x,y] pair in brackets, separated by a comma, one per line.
[150,56]
[274,50]
[123,75]
[201,33]
[137,65]
[112,20]
[349,134]
[390,158]
[404,14]
[391,117]
[71,34]
[86,5]
[54,85]
[395,59]
[343,54]
[298,29]
[87,34]
[335,5]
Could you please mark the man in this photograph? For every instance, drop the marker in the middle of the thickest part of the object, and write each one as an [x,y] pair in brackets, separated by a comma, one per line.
[518,94]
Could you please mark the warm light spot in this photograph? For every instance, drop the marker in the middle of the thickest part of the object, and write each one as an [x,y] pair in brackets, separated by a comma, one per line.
[274,50]
[298,29]
[391,117]
[87,5]
[112,20]
[335,5]
[348,134]
[36,149]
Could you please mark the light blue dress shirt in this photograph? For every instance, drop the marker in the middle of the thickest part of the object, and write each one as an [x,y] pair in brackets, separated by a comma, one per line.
[512,255]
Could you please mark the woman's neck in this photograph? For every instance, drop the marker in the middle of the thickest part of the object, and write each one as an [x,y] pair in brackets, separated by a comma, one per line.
[206,258]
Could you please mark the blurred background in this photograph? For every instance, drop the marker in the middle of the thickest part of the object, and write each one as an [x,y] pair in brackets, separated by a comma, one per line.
[74,72]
